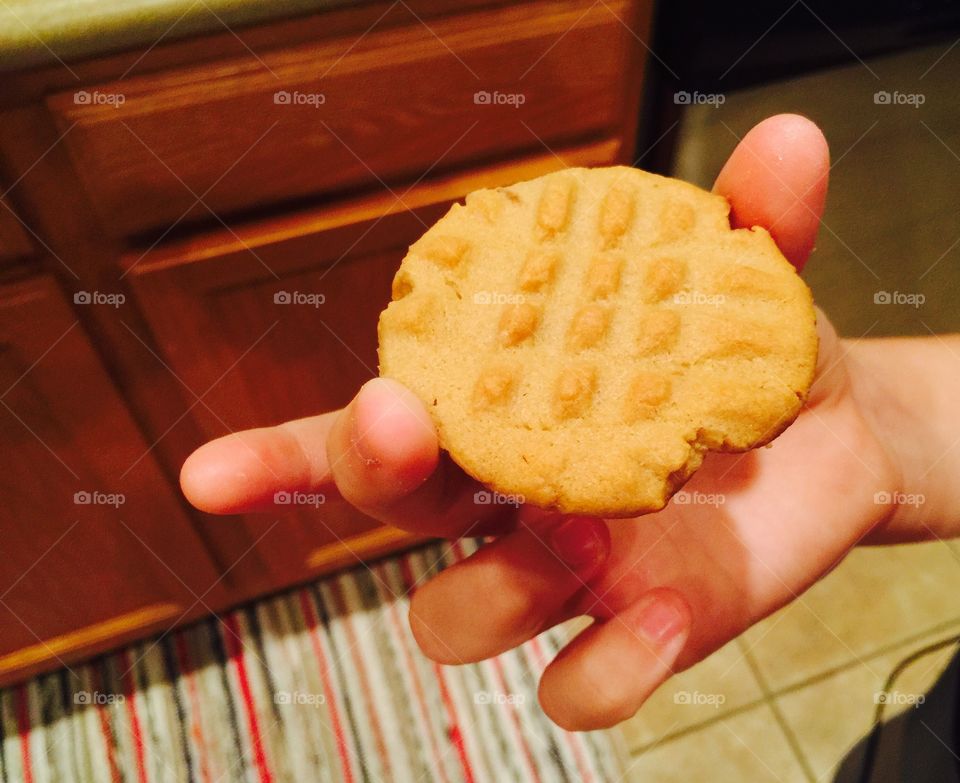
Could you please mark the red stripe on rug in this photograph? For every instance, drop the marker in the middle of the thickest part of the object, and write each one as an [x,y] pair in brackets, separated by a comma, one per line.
[23,727]
[104,720]
[357,656]
[190,681]
[130,702]
[313,627]
[235,653]
[572,739]
[502,682]
[402,634]
[454,729]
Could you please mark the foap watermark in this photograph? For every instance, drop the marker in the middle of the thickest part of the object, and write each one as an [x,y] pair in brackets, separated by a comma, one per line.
[914,300]
[497,98]
[698,699]
[899,498]
[297,98]
[898,699]
[897,98]
[687,498]
[299,698]
[315,499]
[495,697]
[485,498]
[98,698]
[97,98]
[695,98]
[299,298]
[84,498]
[98,298]
[497,298]
[698,298]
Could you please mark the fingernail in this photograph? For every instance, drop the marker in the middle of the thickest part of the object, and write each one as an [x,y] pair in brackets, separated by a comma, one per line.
[580,541]
[661,617]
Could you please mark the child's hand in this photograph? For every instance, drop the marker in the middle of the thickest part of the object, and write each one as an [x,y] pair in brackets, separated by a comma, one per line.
[667,588]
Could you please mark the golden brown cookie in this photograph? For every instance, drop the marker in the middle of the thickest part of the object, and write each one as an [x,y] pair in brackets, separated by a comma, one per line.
[582,339]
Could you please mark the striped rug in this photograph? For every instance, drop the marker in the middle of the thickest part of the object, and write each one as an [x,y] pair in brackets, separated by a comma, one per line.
[322,683]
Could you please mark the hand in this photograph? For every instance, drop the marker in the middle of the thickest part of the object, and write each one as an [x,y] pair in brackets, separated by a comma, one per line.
[666,589]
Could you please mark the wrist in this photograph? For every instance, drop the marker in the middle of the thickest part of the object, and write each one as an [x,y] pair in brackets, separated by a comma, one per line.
[906,390]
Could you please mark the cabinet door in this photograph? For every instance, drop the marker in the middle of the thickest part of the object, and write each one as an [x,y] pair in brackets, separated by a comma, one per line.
[279,321]
[96,547]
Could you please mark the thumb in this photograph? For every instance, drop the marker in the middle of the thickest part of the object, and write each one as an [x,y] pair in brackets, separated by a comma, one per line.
[777,178]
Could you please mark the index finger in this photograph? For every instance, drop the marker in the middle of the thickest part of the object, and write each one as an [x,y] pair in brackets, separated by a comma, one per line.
[379,453]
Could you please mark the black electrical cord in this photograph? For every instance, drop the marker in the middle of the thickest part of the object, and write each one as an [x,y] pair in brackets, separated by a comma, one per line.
[873,740]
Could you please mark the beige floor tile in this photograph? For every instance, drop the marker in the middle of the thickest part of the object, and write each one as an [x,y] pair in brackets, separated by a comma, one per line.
[875,598]
[712,688]
[830,716]
[748,746]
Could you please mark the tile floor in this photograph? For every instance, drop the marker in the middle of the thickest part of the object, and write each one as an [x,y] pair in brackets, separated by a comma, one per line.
[788,699]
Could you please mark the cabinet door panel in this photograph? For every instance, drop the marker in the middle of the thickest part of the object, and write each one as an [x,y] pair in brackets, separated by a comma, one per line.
[223,326]
[97,548]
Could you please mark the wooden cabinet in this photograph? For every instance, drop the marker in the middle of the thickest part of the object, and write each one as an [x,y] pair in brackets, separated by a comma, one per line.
[94,549]
[251,198]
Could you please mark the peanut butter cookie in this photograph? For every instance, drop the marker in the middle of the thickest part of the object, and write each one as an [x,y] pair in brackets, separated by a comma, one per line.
[584,338]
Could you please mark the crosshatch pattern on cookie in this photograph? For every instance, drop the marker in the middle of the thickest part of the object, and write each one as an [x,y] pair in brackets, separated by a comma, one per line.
[604,305]
[662,276]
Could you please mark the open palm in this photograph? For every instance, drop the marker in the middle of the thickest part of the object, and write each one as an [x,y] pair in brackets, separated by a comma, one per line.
[748,533]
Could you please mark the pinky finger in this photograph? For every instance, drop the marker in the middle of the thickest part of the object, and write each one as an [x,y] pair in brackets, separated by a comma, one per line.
[606,673]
